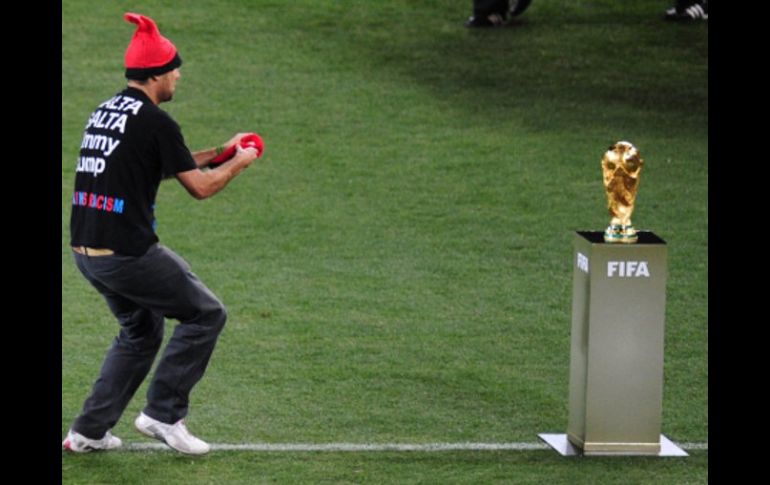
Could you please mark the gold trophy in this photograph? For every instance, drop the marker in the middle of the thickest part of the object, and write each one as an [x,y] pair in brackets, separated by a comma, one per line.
[621,165]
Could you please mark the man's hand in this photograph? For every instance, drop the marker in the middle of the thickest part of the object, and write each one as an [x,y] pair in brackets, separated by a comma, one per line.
[243,158]
[232,141]
[246,141]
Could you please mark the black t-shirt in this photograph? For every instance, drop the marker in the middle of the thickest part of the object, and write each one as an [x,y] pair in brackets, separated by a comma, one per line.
[128,146]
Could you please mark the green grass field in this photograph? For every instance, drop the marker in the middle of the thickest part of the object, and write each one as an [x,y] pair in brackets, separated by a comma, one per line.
[398,266]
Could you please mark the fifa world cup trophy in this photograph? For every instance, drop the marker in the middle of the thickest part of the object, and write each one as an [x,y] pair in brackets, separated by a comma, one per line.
[621,165]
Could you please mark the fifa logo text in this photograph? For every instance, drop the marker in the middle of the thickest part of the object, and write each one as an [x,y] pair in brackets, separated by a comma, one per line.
[627,269]
[582,262]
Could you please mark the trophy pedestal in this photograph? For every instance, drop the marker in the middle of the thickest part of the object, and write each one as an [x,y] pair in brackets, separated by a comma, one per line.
[616,355]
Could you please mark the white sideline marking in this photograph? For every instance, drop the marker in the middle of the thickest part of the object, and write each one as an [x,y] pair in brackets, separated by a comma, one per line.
[376,447]
[695,446]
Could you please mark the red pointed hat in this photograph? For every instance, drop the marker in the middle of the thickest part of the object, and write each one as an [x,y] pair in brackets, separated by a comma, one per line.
[149,53]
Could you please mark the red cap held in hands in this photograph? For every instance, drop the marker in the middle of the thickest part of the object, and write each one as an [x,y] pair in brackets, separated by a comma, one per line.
[149,53]
[252,140]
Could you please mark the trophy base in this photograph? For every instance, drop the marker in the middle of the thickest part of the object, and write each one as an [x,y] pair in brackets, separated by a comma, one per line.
[561,444]
[616,233]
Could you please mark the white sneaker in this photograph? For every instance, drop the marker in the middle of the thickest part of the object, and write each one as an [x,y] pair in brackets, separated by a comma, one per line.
[174,435]
[78,443]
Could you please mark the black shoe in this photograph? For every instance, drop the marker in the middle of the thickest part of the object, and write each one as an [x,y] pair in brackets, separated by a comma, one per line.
[696,11]
[493,20]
